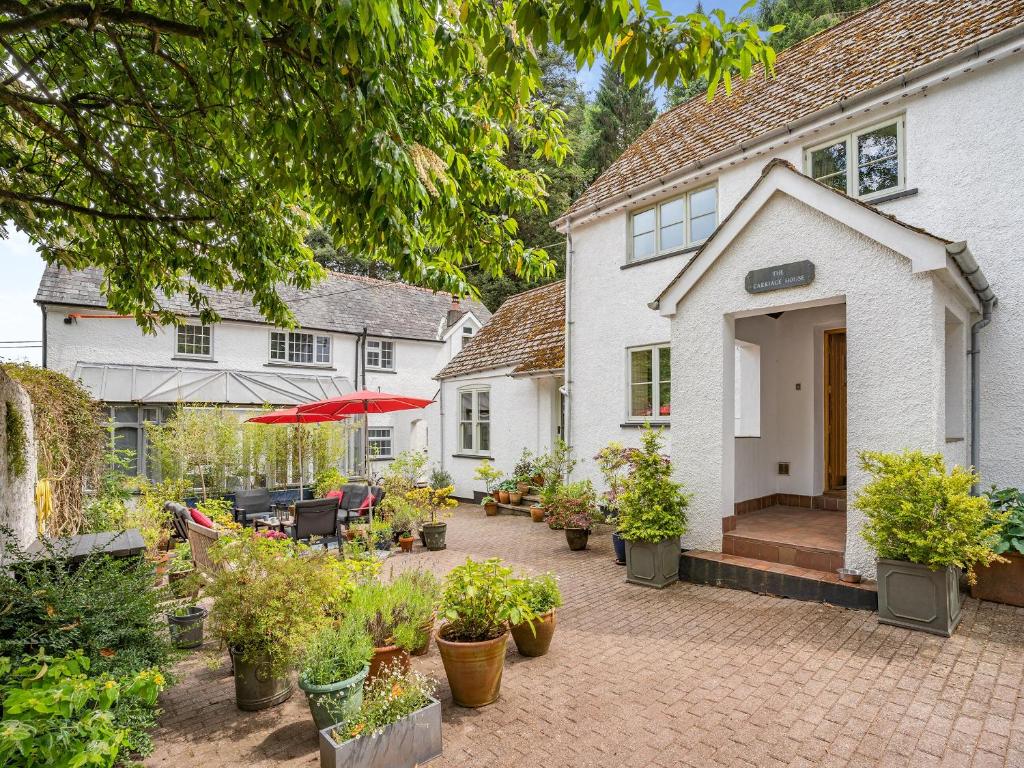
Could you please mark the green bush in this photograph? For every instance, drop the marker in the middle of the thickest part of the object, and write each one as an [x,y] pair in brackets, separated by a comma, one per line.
[336,653]
[1008,502]
[920,513]
[541,593]
[652,507]
[480,600]
[328,480]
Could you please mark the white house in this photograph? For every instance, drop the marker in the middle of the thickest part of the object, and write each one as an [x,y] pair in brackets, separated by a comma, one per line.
[354,333]
[808,268]
[503,392]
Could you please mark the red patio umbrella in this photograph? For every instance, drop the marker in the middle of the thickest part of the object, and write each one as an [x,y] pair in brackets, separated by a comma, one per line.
[292,416]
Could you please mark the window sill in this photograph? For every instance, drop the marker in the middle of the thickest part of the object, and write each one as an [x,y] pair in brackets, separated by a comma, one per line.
[747,437]
[193,359]
[382,458]
[477,456]
[314,366]
[662,256]
[370,369]
[955,439]
[642,424]
[890,196]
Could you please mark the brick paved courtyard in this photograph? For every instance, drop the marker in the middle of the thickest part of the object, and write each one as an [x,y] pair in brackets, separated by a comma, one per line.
[687,676]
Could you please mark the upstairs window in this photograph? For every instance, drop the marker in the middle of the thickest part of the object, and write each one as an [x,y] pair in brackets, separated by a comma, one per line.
[194,341]
[863,163]
[650,384]
[300,348]
[674,225]
[475,420]
[380,354]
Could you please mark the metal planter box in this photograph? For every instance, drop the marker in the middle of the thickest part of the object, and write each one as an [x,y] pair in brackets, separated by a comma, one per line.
[405,743]
[653,563]
[916,597]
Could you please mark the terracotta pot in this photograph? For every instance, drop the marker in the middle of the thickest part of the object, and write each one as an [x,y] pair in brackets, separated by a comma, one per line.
[515,497]
[350,534]
[537,514]
[428,628]
[473,669]
[503,497]
[386,657]
[577,538]
[1001,582]
[537,641]
[162,561]
[538,480]
[523,488]
[406,542]
[491,508]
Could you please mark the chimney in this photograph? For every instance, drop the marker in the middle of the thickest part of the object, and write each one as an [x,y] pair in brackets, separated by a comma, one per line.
[454,312]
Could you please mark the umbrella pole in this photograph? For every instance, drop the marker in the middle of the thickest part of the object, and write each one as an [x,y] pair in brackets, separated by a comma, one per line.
[366,452]
[298,427]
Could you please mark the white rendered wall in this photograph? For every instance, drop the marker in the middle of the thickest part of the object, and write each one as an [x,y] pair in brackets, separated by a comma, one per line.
[17,494]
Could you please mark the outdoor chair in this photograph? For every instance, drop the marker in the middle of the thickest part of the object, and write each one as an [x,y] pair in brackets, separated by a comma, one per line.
[200,539]
[317,517]
[352,504]
[179,519]
[253,504]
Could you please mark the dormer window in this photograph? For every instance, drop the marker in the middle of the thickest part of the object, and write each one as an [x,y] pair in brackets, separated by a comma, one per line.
[674,225]
[864,163]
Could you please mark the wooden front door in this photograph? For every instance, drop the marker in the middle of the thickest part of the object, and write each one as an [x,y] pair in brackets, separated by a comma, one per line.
[835,409]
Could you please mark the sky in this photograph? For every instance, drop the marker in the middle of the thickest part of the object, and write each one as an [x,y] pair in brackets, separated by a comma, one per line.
[21,266]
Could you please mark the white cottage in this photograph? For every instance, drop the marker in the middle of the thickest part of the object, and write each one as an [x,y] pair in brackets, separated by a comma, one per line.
[822,253]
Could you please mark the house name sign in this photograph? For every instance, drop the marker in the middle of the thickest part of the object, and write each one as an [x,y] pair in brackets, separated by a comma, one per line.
[791,275]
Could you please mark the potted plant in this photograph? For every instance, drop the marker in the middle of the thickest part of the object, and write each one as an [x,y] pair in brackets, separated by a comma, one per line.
[381,534]
[398,726]
[269,596]
[515,496]
[652,516]
[335,665]
[504,488]
[613,461]
[537,513]
[490,505]
[572,510]
[433,504]
[440,478]
[420,591]
[489,475]
[393,619]
[522,472]
[542,595]
[925,527]
[185,623]
[479,601]
[1003,582]
[404,518]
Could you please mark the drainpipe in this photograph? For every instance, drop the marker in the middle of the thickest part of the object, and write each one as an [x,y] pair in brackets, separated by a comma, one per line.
[363,359]
[43,308]
[567,386]
[979,283]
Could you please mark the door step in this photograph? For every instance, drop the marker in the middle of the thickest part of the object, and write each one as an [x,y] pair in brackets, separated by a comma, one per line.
[733,572]
[513,509]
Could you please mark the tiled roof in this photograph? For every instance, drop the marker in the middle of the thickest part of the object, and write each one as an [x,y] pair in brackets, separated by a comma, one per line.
[527,332]
[342,303]
[867,50]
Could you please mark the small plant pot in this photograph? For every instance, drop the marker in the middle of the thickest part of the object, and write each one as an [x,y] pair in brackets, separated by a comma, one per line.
[538,480]
[515,497]
[385,659]
[434,536]
[473,669]
[491,508]
[350,534]
[523,488]
[428,629]
[406,542]
[537,641]
[619,544]
[537,514]
[503,497]
[577,538]
[255,688]
[406,743]
[335,702]
[187,631]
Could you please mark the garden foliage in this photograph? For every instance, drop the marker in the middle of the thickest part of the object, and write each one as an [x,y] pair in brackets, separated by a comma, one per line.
[652,505]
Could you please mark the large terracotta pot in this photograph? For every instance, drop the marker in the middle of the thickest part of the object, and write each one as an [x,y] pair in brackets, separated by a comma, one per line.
[386,657]
[473,669]
[503,497]
[428,629]
[537,641]
[1001,582]
[491,508]
[523,488]
[537,513]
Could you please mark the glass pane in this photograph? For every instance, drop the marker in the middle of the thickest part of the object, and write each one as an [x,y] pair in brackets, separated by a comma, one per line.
[484,433]
[127,439]
[126,414]
[466,406]
[466,436]
[323,349]
[702,227]
[277,346]
[836,181]
[641,366]
[300,347]
[664,364]
[387,354]
[829,160]
[665,399]
[640,400]
[883,174]
[672,212]
[643,246]
[673,236]
[483,406]
[643,222]
[703,202]
[877,144]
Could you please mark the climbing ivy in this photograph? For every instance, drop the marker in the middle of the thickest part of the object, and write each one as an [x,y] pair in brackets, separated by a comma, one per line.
[14,428]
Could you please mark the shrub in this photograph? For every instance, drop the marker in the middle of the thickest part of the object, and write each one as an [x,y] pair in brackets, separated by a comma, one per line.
[386,700]
[432,503]
[439,478]
[573,506]
[919,513]
[336,653]
[541,593]
[327,480]
[480,600]
[420,591]
[403,472]
[1008,502]
[489,475]
[386,616]
[652,507]
[524,468]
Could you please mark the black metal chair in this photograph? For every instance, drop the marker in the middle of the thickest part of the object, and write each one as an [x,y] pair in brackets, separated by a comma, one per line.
[179,519]
[254,504]
[352,508]
[317,517]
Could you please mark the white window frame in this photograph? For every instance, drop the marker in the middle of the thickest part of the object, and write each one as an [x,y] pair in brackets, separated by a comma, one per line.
[688,241]
[383,433]
[206,329]
[287,359]
[379,345]
[475,421]
[852,164]
[655,417]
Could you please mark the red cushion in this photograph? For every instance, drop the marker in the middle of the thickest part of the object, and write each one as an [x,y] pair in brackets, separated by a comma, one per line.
[200,519]
[339,495]
[367,502]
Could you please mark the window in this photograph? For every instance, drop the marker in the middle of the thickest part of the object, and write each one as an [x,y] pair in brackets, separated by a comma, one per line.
[299,347]
[194,341]
[674,224]
[475,420]
[380,442]
[747,390]
[650,383]
[863,163]
[956,374]
[467,330]
[380,354]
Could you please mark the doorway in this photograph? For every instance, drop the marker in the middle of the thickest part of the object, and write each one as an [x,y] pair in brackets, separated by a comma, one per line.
[835,409]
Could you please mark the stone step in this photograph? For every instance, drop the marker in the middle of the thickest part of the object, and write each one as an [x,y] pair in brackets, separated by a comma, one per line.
[834,501]
[513,509]
[800,555]
[734,572]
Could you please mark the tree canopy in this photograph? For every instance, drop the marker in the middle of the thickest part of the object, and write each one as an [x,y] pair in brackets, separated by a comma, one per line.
[177,144]
[621,112]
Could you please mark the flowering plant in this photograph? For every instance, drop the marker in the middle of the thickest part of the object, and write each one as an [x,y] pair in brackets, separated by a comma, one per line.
[386,700]
[573,506]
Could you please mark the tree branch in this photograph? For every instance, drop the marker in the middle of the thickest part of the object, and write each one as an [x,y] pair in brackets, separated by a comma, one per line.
[10,194]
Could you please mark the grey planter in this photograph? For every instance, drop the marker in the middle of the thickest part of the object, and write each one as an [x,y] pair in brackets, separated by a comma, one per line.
[915,597]
[405,743]
[653,563]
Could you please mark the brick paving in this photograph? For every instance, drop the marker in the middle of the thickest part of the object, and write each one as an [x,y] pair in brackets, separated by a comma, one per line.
[686,676]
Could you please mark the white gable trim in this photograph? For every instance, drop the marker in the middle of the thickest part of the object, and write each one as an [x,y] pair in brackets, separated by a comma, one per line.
[926,252]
